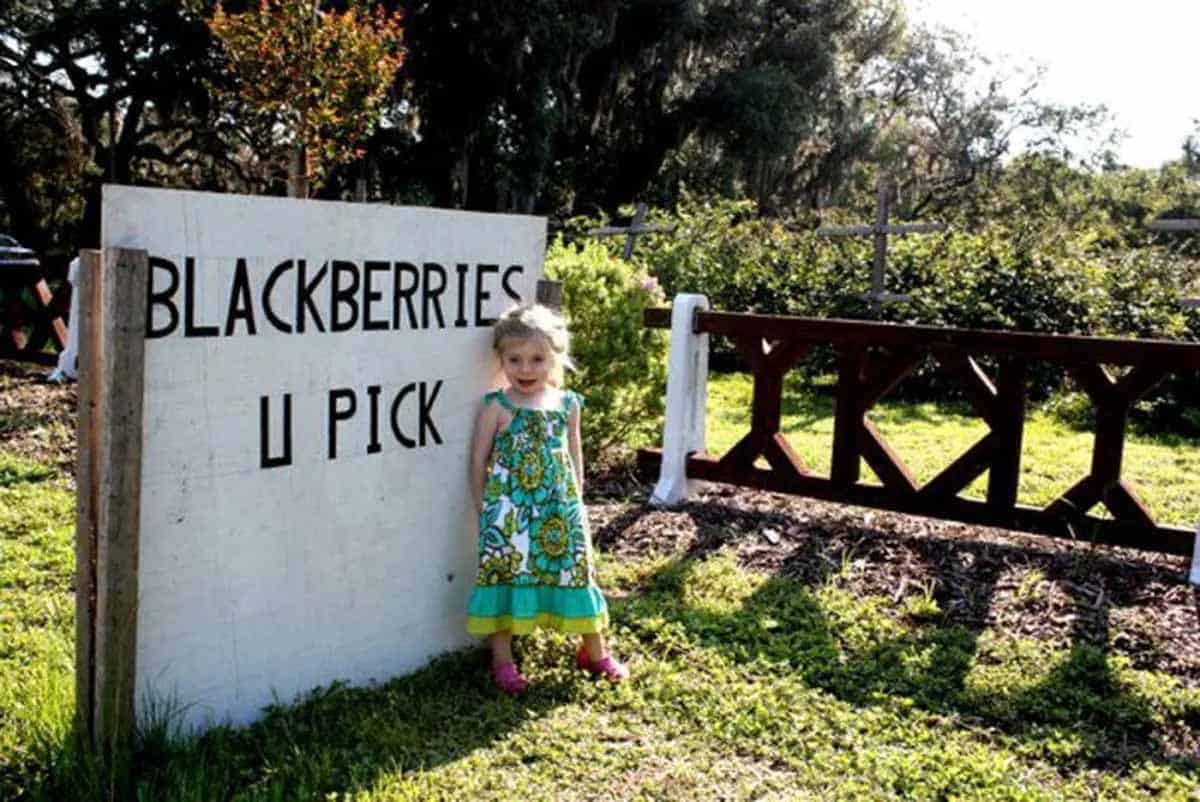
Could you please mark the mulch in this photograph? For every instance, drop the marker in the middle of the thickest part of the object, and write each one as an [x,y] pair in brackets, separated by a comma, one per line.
[37,419]
[1129,602]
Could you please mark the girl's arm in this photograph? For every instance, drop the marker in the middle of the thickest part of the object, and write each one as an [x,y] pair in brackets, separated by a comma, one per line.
[481,449]
[575,444]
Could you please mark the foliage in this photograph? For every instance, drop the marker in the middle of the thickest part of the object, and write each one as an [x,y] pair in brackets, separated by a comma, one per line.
[125,79]
[310,79]
[620,365]
[1082,269]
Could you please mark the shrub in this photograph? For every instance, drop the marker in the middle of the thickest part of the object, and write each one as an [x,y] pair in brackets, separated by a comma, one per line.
[620,365]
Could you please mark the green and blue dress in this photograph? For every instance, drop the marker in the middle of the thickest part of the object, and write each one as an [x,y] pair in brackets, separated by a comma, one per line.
[535,552]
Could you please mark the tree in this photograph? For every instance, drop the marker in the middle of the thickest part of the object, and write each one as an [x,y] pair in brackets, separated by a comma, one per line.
[947,117]
[309,83]
[547,105]
[122,77]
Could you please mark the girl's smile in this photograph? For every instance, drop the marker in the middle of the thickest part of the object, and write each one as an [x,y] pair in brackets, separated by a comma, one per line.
[527,364]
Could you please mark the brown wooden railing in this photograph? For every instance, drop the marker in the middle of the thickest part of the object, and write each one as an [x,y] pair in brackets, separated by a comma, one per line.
[26,330]
[873,358]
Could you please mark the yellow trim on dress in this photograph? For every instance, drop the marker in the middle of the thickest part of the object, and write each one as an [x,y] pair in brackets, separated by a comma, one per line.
[479,625]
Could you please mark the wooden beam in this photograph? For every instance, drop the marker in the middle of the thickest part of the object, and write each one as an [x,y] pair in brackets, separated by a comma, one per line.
[963,471]
[123,316]
[1066,348]
[1161,539]
[847,418]
[1005,473]
[87,490]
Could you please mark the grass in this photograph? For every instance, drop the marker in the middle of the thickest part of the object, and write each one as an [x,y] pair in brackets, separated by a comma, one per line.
[747,686]
[929,436]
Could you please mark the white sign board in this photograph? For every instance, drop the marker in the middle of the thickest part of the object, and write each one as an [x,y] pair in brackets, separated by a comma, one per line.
[312,371]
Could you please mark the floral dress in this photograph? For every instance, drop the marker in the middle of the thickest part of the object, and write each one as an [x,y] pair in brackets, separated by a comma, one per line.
[535,557]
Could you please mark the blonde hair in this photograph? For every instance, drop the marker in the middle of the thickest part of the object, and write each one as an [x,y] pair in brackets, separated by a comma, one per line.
[529,320]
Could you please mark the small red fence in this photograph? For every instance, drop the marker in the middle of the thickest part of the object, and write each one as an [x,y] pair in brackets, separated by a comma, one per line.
[31,318]
[873,358]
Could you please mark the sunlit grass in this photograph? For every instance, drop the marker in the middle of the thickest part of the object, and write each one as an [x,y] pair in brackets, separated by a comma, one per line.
[746,686]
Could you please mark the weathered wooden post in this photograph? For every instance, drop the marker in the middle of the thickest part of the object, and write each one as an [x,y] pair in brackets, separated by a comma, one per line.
[631,232]
[878,296]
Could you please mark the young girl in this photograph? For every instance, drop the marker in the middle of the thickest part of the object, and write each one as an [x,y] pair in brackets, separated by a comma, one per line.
[535,560]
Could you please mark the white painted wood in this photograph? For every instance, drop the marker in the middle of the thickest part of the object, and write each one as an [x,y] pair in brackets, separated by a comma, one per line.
[687,397]
[1195,575]
[67,369]
[257,584]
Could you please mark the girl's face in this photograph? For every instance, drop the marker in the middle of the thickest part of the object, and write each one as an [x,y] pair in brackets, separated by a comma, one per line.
[527,364]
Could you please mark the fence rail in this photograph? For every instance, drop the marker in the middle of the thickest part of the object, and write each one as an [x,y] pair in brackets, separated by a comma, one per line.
[873,358]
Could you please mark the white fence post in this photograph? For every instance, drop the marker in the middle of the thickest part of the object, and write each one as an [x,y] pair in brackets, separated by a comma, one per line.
[66,369]
[687,396]
[1195,577]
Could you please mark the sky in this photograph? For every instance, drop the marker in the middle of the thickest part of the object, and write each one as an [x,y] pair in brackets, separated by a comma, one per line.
[1140,59]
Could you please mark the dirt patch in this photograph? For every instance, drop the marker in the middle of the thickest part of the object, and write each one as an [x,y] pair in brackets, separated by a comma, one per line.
[1129,602]
[37,419]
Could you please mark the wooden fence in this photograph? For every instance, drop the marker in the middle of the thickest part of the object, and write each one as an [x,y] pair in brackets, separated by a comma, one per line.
[872,358]
[31,318]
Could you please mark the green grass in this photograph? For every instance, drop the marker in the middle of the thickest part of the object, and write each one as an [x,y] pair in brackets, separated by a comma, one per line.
[745,686]
[1163,469]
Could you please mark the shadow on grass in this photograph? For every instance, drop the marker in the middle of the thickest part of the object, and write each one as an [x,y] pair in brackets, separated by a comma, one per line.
[784,622]
[15,472]
[337,740]
[939,660]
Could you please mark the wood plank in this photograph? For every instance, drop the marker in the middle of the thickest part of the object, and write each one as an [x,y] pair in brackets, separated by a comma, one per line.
[1080,498]
[1160,539]
[785,354]
[1009,427]
[887,371]
[963,471]
[1141,380]
[87,457]
[976,384]
[1050,347]
[1108,448]
[1094,380]
[886,463]
[782,457]
[744,451]
[750,349]
[124,338]
[847,419]
[1125,505]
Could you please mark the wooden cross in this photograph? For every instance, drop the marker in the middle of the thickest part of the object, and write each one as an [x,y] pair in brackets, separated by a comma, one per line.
[878,296]
[631,231]
[1179,224]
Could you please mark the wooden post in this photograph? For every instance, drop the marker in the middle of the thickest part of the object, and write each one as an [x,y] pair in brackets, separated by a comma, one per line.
[89,290]
[878,296]
[109,465]
[631,232]
[550,294]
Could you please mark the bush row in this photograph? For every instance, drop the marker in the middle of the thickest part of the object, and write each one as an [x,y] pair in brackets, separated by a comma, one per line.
[1023,274]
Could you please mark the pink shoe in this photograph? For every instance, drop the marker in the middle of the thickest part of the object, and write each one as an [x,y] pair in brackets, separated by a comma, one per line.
[607,666]
[508,679]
